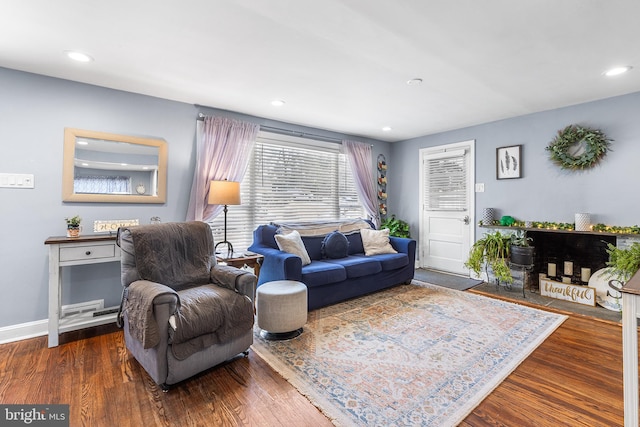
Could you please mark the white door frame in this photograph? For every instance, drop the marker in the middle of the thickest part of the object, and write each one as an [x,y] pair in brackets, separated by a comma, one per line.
[470,144]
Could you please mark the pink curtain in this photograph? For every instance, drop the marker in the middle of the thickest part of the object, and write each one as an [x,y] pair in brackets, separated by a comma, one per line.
[223,149]
[360,160]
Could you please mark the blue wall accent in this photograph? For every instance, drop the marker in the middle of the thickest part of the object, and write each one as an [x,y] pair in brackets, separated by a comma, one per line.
[34,110]
[546,192]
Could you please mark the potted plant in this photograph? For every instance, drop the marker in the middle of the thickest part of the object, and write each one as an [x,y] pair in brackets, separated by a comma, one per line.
[623,263]
[397,227]
[521,251]
[491,251]
[73,226]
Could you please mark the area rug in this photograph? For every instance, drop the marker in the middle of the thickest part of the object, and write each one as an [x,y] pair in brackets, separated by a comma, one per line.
[450,281]
[416,354]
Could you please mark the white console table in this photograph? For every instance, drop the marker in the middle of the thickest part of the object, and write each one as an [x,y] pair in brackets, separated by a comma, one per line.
[630,304]
[65,252]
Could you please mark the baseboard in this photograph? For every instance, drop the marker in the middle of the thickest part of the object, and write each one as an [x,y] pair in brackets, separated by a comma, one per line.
[24,331]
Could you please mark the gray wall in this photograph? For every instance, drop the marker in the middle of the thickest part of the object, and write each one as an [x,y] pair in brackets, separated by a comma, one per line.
[34,110]
[546,192]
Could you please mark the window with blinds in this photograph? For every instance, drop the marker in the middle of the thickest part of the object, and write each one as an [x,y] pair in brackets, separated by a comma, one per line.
[290,179]
[446,181]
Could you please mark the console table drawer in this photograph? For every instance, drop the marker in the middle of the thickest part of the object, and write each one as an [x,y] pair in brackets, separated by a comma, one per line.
[87,252]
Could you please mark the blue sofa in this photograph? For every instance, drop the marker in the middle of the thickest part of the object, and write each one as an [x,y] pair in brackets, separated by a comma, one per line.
[328,280]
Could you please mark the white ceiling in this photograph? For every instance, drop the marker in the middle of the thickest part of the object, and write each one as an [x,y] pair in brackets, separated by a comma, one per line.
[339,65]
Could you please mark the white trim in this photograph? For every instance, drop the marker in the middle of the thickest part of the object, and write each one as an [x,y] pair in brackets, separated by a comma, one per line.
[23,331]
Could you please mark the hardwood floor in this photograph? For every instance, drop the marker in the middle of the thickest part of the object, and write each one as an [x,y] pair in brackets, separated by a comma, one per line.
[574,378]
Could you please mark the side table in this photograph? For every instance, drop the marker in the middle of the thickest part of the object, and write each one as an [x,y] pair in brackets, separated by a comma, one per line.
[241,259]
[66,252]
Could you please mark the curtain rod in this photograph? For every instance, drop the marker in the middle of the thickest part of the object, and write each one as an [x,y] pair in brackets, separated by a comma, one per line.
[292,132]
[299,134]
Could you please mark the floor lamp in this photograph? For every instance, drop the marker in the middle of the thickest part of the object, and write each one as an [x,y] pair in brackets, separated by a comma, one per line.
[224,193]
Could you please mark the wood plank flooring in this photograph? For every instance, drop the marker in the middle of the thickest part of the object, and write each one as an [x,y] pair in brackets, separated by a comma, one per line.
[573,379]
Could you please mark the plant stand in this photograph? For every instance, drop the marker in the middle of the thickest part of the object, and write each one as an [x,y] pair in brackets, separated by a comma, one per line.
[525,269]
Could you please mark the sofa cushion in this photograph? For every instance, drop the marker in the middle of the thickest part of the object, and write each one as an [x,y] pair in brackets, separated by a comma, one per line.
[320,273]
[208,315]
[358,266]
[389,261]
[314,246]
[355,243]
[376,242]
[268,235]
[335,245]
[292,243]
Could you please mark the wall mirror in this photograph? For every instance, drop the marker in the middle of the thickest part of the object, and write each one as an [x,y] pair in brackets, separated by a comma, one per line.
[105,167]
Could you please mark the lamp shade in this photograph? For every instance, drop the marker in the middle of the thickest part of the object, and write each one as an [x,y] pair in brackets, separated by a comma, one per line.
[224,193]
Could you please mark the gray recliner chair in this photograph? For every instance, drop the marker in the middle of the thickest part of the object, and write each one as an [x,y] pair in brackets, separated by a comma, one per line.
[181,312]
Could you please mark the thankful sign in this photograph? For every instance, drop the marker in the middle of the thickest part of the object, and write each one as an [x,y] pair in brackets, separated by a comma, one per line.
[568,292]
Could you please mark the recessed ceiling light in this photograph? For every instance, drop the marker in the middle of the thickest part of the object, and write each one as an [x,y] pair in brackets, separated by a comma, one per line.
[386,129]
[414,82]
[616,71]
[277,102]
[78,56]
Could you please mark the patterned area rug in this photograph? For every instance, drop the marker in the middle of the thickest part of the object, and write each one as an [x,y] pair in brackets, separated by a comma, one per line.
[415,354]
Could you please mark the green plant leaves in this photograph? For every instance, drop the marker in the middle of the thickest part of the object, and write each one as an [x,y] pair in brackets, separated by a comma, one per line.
[397,227]
[624,262]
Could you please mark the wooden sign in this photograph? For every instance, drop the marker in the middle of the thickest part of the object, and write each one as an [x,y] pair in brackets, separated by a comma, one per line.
[581,294]
[113,225]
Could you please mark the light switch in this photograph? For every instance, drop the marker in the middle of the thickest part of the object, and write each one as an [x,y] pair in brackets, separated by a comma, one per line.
[16,180]
[480,188]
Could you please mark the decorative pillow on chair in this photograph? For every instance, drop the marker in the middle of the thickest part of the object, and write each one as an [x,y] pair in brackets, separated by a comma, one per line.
[376,242]
[292,243]
[335,245]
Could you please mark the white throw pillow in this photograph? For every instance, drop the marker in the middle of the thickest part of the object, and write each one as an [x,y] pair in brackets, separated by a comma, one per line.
[376,242]
[292,243]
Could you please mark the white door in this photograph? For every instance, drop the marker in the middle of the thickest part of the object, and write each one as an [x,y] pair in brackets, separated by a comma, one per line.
[446,220]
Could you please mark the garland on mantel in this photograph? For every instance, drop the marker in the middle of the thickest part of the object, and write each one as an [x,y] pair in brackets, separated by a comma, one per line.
[616,229]
[567,226]
[595,146]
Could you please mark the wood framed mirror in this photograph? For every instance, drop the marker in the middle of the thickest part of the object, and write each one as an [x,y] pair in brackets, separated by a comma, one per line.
[110,168]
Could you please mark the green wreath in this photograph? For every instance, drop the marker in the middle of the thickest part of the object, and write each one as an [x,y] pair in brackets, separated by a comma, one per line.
[578,147]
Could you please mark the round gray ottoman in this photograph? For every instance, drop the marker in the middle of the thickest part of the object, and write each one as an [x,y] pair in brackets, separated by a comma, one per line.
[282,309]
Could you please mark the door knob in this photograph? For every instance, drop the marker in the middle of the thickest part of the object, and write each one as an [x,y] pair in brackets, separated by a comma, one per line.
[466,220]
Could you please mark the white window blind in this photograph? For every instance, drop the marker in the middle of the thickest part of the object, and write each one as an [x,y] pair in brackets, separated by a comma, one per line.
[446,181]
[290,179]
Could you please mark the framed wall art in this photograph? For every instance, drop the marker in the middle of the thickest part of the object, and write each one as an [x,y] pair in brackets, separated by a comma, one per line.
[509,162]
